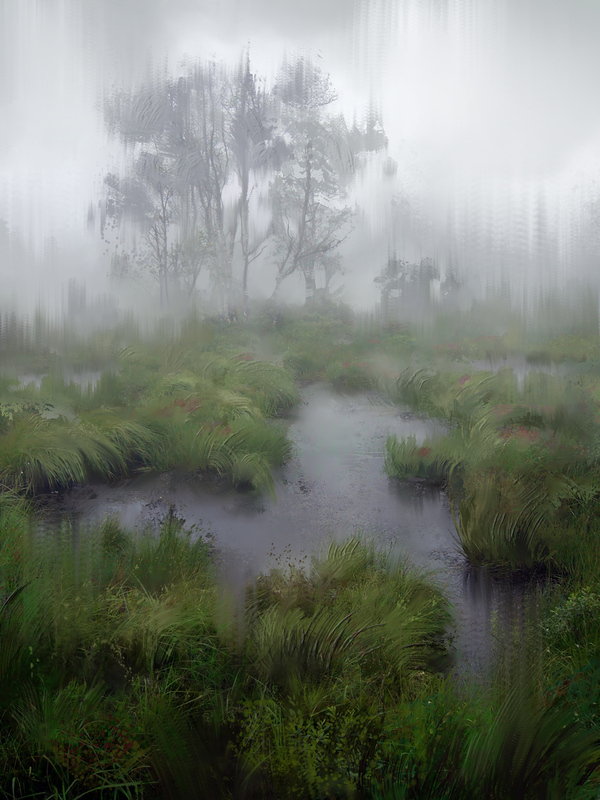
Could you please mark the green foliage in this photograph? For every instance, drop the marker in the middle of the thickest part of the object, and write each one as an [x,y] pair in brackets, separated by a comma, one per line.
[348,614]
[156,564]
[423,748]
[528,752]
[579,691]
[516,749]
[114,605]
[316,345]
[178,406]
[269,387]
[328,682]
[349,375]
[149,610]
[38,454]
[404,459]
[14,520]
[576,615]
[572,641]
[330,686]
[318,743]
[523,463]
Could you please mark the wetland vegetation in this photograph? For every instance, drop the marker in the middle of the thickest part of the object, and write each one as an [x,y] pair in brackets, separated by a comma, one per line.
[127,667]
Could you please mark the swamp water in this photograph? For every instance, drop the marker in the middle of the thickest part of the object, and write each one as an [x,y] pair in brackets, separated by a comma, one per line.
[333,486]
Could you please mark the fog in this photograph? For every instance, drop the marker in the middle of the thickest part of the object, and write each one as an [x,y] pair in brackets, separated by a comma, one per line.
[489,109]
[242,249]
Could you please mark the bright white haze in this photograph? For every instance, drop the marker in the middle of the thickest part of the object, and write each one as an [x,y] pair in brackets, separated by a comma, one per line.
[491,109]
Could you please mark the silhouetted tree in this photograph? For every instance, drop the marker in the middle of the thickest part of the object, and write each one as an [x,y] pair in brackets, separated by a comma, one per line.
[310,219]
[256,150]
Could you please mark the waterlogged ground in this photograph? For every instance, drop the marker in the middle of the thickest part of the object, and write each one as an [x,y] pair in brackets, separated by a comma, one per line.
[520,366]
[87,379]
[333,486]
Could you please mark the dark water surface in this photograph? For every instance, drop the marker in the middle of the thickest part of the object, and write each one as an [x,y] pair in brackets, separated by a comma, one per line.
[334,486]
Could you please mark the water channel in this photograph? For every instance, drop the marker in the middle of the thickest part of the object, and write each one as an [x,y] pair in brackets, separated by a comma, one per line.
[333,486]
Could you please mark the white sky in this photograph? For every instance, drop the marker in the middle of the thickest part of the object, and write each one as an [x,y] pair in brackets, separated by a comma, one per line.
[491,108]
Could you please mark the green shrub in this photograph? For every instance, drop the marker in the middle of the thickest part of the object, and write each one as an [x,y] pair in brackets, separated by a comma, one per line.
[404,459]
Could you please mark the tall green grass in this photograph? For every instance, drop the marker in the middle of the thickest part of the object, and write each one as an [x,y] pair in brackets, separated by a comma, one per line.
[209,416]
[125,665]
[127,671]
[347,613]
[517,464]
[118,641]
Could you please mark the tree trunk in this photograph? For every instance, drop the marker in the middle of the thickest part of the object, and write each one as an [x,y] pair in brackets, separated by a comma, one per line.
[310,286]
[278,282]
[245,240]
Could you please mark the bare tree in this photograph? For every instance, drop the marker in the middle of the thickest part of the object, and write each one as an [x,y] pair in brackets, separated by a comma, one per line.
[308,222]
[192,139]
[205,167]
[256,150]
[177,136]
[307,228]
[310,218]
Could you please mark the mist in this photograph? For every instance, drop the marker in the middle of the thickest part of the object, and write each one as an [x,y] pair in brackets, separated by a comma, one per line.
[299,398]
[490,165]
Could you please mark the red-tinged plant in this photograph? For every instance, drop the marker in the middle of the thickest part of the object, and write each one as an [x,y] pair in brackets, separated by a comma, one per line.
[103,749]
[502,410]
[188,405]
[522,433]
[211,427]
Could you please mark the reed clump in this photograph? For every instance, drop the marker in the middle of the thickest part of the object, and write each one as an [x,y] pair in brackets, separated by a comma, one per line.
[180,406]
[109,645]
[518,463]
[127,672]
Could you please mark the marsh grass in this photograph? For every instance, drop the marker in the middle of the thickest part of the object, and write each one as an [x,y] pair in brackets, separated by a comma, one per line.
[525,461]
[321,346]
[507,741]
[85,625]
[334,646]
[137,628]
[406,459]
[122,667]
[175,407]
[348,613]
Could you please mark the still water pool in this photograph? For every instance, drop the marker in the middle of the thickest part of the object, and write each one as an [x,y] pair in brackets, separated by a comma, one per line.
[333,486]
